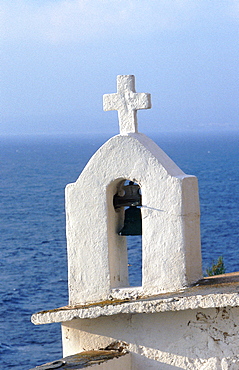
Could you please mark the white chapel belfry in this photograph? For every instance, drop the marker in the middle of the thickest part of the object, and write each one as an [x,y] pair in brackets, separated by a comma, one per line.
[97,253]
[174,319]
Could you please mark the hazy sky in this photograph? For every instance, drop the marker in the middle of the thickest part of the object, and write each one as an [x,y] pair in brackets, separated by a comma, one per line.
[60,56]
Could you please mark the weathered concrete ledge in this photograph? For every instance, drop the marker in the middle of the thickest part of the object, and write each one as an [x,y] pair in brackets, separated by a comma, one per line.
[89,359]
[211,292]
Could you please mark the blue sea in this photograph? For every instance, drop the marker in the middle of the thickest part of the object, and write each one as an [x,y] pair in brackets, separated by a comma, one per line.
[33,263]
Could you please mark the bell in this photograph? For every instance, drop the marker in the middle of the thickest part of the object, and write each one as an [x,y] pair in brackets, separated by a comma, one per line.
[131,196]
[132,222]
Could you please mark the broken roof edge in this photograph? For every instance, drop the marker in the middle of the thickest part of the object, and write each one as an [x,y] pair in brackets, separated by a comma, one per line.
[85,359]
[210,292]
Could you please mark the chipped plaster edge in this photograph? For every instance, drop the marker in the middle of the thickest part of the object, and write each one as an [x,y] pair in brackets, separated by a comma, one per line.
[176,303]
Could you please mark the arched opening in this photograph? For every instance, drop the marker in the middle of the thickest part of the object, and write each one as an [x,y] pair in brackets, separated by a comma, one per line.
[127,202]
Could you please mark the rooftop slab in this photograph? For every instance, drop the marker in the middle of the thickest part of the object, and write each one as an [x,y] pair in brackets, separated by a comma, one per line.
[210,292]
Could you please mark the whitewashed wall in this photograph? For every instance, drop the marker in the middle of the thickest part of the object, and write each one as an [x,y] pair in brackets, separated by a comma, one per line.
[202,339]
[171,249]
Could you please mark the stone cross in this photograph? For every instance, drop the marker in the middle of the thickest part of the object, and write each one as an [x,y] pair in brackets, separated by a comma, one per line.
[126,101]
